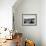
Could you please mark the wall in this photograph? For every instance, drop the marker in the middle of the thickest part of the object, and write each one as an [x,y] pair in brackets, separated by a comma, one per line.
[6,13]
[28,7]
[43,22]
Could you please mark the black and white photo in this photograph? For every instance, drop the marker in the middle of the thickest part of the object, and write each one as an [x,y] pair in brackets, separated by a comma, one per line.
[29,19]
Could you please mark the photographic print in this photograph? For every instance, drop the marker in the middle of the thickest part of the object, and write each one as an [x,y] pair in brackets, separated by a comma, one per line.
[29,19]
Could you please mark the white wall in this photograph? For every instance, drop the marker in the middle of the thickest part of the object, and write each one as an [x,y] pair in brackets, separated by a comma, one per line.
[6,13]
[28,7]
[43,22]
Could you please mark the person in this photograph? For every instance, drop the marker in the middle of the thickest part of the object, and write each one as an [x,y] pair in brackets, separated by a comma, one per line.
[18,40]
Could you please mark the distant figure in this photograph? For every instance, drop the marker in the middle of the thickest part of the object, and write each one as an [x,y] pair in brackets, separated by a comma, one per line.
[5,29]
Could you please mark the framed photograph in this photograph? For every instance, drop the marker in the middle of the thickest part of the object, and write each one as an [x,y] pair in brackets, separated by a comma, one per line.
[29,19]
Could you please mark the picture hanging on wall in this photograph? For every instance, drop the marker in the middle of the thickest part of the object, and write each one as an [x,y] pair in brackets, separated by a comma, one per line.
[29,19]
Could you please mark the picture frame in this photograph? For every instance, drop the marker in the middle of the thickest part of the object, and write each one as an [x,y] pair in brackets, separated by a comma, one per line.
[29,19]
